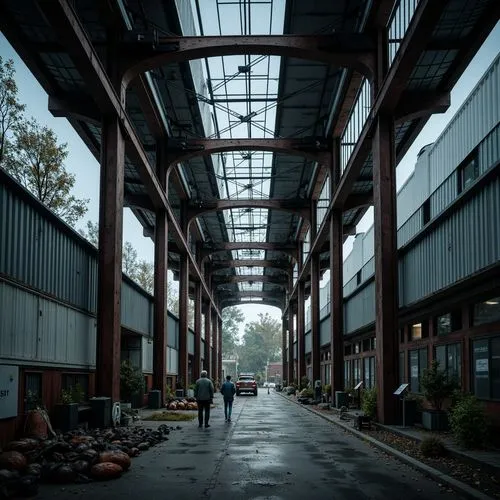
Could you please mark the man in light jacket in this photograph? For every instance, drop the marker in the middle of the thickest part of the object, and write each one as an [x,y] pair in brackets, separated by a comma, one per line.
[204,394]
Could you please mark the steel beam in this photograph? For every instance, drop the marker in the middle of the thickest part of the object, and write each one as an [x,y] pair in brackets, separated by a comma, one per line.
[282,265]
[182,372]
[414,105]
[109,282]
[78,107]
[197,331]
[266,301]
[298,207]
[386,269]
[350,50]
[290,250]
[315,149]
[208,333]
[291,330]
[241,278]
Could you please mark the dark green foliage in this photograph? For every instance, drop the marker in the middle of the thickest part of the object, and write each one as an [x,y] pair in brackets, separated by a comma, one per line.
[433,447]
[131,381]
[468,422]
[437,385]
[304,382]
[369,402]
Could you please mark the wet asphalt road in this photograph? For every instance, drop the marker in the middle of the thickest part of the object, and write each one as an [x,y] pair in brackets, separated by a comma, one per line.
[273,449]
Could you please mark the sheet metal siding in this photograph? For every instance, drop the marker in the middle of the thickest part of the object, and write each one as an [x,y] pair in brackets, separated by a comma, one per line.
[172,357]
[324,331]
[308,343]
[473,121]
[463,244]
[136,309]
[39,330]
[190,342]
[359,310]
[172,332]
[35,252]
[147,355]
[489,150]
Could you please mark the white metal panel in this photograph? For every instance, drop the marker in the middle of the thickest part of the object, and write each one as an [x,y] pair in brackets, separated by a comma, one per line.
[147,355]
[308,343]
[359,310]
[473,121]
[18,323]
[172,361]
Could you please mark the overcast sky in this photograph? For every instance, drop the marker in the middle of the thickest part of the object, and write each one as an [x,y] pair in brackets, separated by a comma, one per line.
[86,168]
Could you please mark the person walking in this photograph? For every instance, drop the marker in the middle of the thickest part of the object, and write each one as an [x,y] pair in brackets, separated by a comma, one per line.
[228,390]
[204,394]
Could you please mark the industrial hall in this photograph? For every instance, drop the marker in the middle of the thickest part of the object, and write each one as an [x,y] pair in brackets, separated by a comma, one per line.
[249,139]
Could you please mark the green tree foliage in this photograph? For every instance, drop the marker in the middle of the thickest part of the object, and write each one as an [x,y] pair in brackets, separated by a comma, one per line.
[145,275]
[36,161]
[11,109]
[232,317]
[92,233]
[261,343]
[129,260]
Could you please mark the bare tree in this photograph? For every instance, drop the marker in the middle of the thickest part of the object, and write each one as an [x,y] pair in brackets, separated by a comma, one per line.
[10,108]
[92,233]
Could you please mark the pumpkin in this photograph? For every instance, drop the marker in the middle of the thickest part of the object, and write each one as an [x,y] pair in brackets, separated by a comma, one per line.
[22,445]
[106,470]
[80,466]
[12,460]
[117,457]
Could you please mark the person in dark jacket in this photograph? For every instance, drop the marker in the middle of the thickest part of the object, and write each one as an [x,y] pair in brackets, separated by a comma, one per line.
[204,394]
[228,390]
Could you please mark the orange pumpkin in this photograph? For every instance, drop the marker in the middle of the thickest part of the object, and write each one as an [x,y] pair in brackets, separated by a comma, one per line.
[117,457]
[106,470]
[12,460]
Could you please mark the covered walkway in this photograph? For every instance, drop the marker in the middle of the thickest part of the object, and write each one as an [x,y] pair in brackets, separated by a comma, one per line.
[273,449]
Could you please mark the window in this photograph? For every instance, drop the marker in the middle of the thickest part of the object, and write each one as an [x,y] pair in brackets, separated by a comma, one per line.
[70,381]
[468,172]
[402,377]
[448,323]
[369,371]
[486,368]
[32,390]
[347,374]
[417,364]
[402,335]
[416,331]
[358,278]
[356,348]
[366,345]
[356,364]
[450,359]
[426,211]
[487,312]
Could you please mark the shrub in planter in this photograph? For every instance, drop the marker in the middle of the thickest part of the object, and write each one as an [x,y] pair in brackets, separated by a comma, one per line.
[131,381]
[304,382]
[369,402]
[468,422]
[437,385]
[433,447]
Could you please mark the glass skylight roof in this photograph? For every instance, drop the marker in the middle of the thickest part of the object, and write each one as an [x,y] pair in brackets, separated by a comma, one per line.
[243,91]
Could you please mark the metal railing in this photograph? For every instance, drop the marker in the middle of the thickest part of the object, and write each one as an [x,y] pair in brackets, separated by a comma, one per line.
[398,24]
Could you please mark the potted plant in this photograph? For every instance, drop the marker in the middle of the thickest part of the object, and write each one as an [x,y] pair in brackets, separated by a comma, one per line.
[327,392]
[66,411]
[437,386]
[131,384]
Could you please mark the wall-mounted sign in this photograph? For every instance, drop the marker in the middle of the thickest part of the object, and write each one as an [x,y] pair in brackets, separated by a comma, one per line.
[9,383]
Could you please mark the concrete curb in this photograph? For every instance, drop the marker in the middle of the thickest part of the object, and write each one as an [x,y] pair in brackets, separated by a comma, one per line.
[438,476]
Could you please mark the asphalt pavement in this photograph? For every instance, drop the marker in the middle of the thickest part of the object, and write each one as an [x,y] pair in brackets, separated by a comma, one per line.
[272,449]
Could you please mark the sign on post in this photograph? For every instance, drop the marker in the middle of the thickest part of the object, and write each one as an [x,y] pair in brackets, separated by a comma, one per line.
[401,389]
[9,384]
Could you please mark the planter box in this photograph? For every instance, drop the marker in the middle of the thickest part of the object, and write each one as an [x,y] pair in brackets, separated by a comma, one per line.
[410,406]
[433,420]
[66,416]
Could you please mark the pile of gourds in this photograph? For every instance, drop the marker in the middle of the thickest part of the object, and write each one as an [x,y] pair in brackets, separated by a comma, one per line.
[77,456]
[183,404]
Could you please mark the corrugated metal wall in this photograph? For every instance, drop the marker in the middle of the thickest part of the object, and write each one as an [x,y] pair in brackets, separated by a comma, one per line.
[473,121]
[136,309]
[324,331]
[307,342]
[359,310]
[147,355]
[34,251]
[41,331]
[466,242]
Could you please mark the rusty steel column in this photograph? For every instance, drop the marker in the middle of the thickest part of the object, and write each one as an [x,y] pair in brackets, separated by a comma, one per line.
[284,343]
[214,345]
[301,354]
[336,281]
[291,330]
[110,260]
[182,375]
[160,319]
[197,330]
[219,351]
[336,303]
[386,268]
[206,355]
[315,323]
